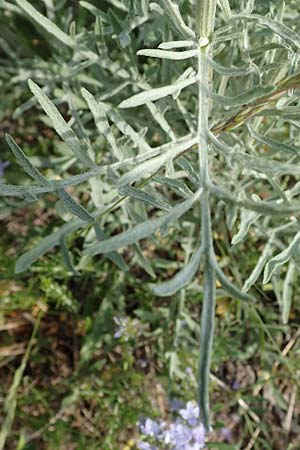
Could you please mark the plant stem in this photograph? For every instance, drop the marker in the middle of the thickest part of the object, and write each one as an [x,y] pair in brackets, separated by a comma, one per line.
[205,17]
[206,10]
[208,312]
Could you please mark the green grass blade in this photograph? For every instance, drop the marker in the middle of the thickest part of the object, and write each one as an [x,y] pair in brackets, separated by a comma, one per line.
[10,404]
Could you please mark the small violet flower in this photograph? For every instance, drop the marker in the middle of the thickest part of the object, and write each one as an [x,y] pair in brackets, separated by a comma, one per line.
[122,323]
[179,435]
[226,434]
[190,413]
[199,434]
[185,433]
[150,428]
[145,446]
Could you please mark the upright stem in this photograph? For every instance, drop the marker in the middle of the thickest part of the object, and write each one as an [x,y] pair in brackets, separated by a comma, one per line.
[205,17]
[205,24]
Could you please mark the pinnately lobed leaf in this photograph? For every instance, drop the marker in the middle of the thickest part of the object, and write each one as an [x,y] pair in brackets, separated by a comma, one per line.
[182,278]
[165,54]
[60,125]
[156,94]
[282,258]
[144,229]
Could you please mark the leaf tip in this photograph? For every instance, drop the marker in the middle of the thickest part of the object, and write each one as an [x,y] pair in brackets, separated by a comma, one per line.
[19,267]
[123,104]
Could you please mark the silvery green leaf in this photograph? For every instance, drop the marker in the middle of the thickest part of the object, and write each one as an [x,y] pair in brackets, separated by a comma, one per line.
[112,92]
[178,185]
[182,278]
[160,119]
[246,97]
[67,257]
[165,54]
[144,229]
[247,219]
[151,165]
[185,164]
[257,51]
[143,170]
[231,215]
[113,256]
[268,208]
[28,258]
[52,186]
[74,207]
[229,287]
[279,28]
[225,6]
[282,258]
[189,72]
[25,162]
[119,4]
[60,125]
[230,71]
[262,164]
[93,9]
[288,289]
[183,143]
[220,145]
[125,128]
[274,145]
[143,261]
[9,7]
[101,121]
[175,44]
[156,94]
[142,196]
[45,23]
[264,257]
[172,10]
[9,190]
[155,7]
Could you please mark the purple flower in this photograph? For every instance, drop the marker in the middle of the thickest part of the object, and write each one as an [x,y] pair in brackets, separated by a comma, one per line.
[190,413]
[226,434]
[3,166]
[122,323]
[151,428]
[145,446]
[236,385]
[199,434]
[179,435]
[118,334]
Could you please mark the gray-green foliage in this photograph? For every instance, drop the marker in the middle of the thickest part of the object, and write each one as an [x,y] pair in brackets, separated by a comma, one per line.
[138,117]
